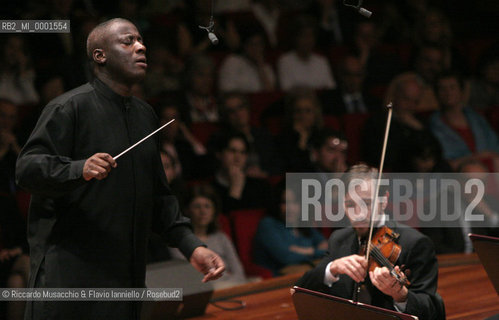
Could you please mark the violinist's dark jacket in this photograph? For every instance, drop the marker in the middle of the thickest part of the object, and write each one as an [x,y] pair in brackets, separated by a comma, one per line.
[417,254]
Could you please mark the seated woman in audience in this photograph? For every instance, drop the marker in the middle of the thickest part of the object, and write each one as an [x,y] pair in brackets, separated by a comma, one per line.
[303,120]
[238,190]
[248,72]
[462,132]
[276,246]
[203,208]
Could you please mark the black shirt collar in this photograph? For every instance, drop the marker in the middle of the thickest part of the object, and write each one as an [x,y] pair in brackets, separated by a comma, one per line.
[105,90]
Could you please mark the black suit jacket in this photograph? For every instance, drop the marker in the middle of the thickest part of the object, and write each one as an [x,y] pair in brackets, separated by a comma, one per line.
[333,103]
[417,254]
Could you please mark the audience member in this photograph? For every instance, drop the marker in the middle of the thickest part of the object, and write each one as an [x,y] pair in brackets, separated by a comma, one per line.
[203,208]
[9,147]
[427,101]
[301,67]
[424,155]
[435,29]
[200,104]
[166,69]
[235,116]
[425,159]
[17,76]
[329,152]
[176,139]
[484,89]
[238,190]
[14,262]
[350,97]
[335,22]
[303,120]
[268,14]
[14,259]
[462,132]
[277,246]
[429,62]
[248,71]
[174,175]
[380,66]
[405,92]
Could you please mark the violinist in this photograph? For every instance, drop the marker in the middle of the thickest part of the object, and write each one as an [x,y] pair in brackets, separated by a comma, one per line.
[344,267]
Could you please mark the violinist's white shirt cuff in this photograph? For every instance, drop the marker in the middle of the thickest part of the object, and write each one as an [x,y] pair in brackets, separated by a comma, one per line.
[329,278]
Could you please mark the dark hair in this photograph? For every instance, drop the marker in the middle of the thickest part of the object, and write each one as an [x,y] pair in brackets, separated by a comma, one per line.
[225,139]
[303,22]
[6,101]
[231,95]
[194,64]
[454,74]
[302,93]
[275,206]
[206,191]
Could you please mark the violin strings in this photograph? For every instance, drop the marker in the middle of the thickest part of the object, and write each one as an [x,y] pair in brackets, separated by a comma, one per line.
[380,257]
[383,260]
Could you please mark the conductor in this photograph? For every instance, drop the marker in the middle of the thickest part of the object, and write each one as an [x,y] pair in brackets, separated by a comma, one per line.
[91,216]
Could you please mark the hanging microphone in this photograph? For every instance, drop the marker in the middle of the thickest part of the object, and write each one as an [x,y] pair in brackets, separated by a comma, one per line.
[210,28]
[363,11]
[213,38]
[366,13]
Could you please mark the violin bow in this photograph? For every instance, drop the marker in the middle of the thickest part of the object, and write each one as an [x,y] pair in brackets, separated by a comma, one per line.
[382,162]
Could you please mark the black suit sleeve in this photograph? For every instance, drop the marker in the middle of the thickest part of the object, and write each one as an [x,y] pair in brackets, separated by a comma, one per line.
[424,273]
[340,245]
[168,220]
[314,279]
[45,166]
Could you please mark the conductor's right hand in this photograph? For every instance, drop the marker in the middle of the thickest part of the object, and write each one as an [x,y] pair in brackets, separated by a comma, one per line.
[98,166]
[354,266]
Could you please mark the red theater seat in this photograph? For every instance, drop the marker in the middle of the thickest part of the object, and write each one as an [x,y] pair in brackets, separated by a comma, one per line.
[261,101]
[244,226]
[203,130]
[353,128]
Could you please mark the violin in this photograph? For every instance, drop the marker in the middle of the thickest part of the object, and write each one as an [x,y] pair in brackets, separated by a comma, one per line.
[385,253]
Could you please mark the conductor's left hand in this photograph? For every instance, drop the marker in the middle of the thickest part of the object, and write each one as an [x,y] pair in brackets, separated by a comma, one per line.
[208,263]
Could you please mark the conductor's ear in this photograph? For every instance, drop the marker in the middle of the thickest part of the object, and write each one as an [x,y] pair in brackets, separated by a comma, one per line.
[99,56]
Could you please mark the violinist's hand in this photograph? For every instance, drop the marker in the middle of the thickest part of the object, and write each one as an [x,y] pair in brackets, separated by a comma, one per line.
[386,283]
[354,266]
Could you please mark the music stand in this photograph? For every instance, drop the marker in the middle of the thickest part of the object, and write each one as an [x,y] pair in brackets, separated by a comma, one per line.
[176,274]
[313,305]
[487,249]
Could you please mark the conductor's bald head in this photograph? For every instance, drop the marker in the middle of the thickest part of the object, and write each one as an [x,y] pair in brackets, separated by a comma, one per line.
[116,49]
[97,37]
